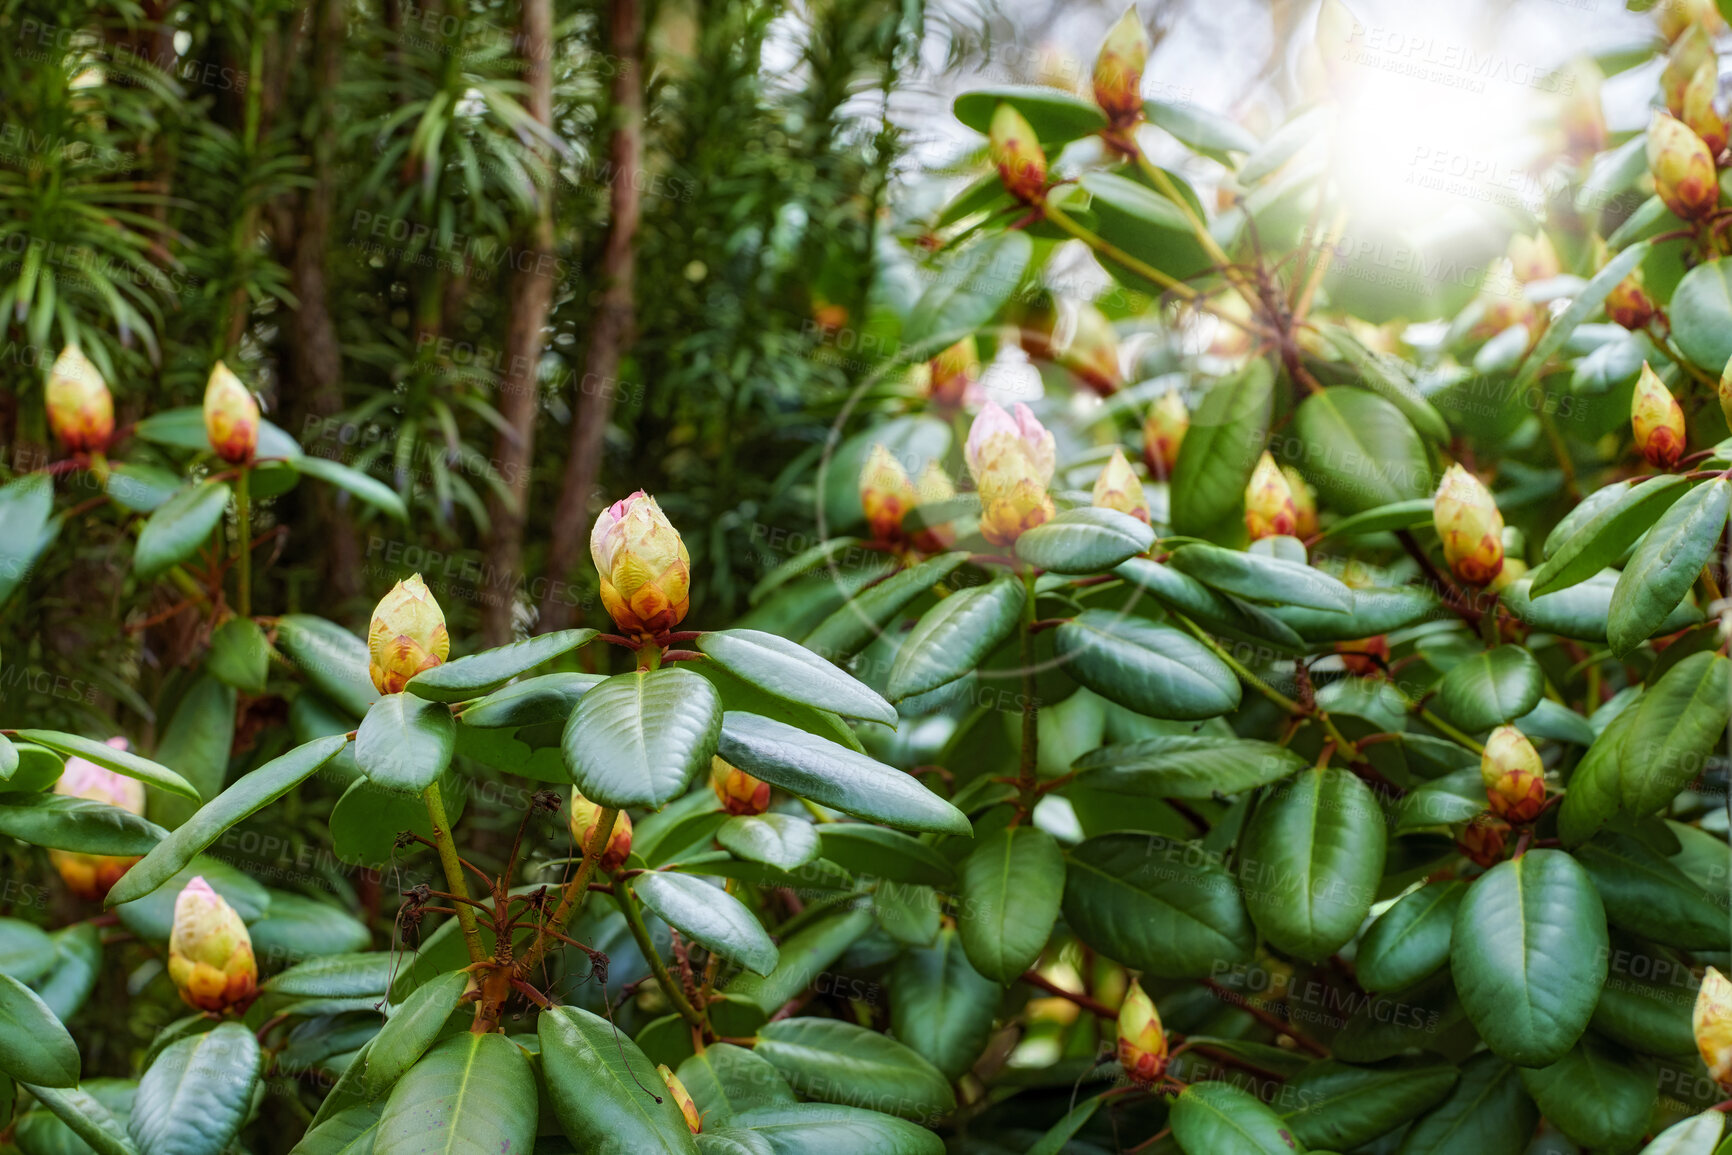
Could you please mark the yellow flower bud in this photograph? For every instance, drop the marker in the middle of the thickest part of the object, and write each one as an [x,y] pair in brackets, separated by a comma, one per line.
[1683,60]
[1699,111]
[1711,1023]
[1365,658]
[91,876]
[1483,839]
[407,635]
[1163,432]
[1469,525]
[1304,503]
[740,793]
[1017,155]
[953,373]
[933,487]
[1269,508]
[80,408]
[1087,345]
[1683,168]
[1678,16]
[1725,393]
[1142,1042]
[210,954]
[1118,488]
[886,494]
[645,571]
[1583,118]
[1118,78]
[1012,461]
[231,417]
[1657,420]
[1628,304]
[1533,258]
[678,1090]
[1515,781]
[585,817]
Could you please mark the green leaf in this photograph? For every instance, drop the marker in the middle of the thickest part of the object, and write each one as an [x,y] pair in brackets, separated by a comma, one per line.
[864,617]
[184,428]
[725,1080]
[141,488]
[1487,1113]
[61,822]
[367,819]
[832,775]
[781,840]
[1410,940]
[1582,611]
[1187,766]
[1383,518]
[1261,578]
[1596,1095]
[405,743]
[873,852]
[152,917]
[338,976]
[1156,905]
[72,977]
[27,526]
[1594,793]
[1600,539]
[334,660]
[1456,797]
[1208,132]
[1220,449]
[300,927]
[1151,668]
[1384,376]
[1012,887]
[179,527]
[246,797]
[1492,688]
[1085,540]
[709,915]
[109,758]
[789,670]
[197,742]
[819,1129]
[470,1094]
[196,1094]
[547,699]
[239,655]
[908,914]
[1220,1119]
[34,1047]
[1646,894]
[1311,862]
[351,1131]
[1149,227]
[86,1117]
[1056,116]
[1701,314]
[805,954]
[26,951]
[1581,307]
[369,489]
[412,1028]
[1665,565]
[604,1089]
[828,1059]
[638,739]
[1343,1107]
[941,1006]
[1360,451]
[968,293]
[1697,1135]
[955,636]
[1529,956]
[1061,1132]
[482,673]
[1679,720]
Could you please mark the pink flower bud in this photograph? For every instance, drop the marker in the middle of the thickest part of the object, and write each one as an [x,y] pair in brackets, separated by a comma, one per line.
[1118,77]
[210,954]
[92,876]
[1700,113]
[886,494]
[1628,304]
[1711,1023]
[1012,460]
[934,487]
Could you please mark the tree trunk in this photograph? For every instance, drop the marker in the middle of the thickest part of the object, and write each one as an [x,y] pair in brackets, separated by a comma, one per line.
[530,298]
[611,334]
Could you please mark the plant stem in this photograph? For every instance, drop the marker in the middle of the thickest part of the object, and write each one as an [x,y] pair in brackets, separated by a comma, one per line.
[627,904]
[575,892]
[1440,725]
[453,865]
[1244,675]
[1027,778]
[1168,189]
[1112,251]
[244,560]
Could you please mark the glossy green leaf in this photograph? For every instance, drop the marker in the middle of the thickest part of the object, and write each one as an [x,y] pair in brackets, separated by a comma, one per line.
[352,481]
[1529,955]
[339,976]
[805,954]
[412,1028]
[333,659]
[120,761]
[405,743]
[819,1129]
[1596,1095]
[1487,1113]
[27,526]
[1012,887]
[1360,451]
[780,840]
[1187,766]
[1410,940]
[1154,669]
[198,742]
[1145,225]
[1666,564]
[1697,1135]
[1595,793]
[61,822]
[1385,376]
[1492,688]
[1601,539]
[789,670]
[239,655]
[470,1094]
[197,1093]
[1056,116]
[1207,132]
[300,927]
[1701,314]
[34,1047]
[1583,610]
[1220,449]
[955,636]
[1259,577]
[638,739]
[1085,540]
[874,852]
[474,675]
[86,1117]
[351,1131]
[1341,1107]
[968,292]
[1581,307]
[725,1080]
[1647,895]
[864,617]
[152,916]
[828,1059]
[71,979]
[179,527]
[1407,514]
[941,1006]
[1220,1119]
[547,699]
[1679,720]
[710,916]
[604,1090]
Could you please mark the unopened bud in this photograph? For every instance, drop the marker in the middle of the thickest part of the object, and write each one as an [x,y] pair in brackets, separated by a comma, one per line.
[1012,461]
[1017,155]
[886,494]
[585,817]
[80,408]
[1711,1023]
[231,417]
[407,635]
[1628,304]
[1515,780]
[1119,488]
[1163,432]
[1469,525]
[1583,118]
[1533,258]
[678,1090]
[645,571]
[953,373]
[1657,420]
[1118,78]
[1088,346]
[1725,392]
[1699,111]
[210,953]
[1683,168]
[1269,509]
[1483,839]
[1677,17]
[1365,658]
[1683,60]
[1304,502]
[92,876]
[740,793]
[1142,1042]
[933,488]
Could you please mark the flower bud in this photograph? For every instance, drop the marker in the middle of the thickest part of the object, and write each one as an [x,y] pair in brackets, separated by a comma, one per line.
[1583,117]
[1699,111]
[1628,304]
[953,374]
[1118,78]
[1469,525]
[80,408]
[1304,502]
[1012,461]
[1725,392]
[210,954]
[1678,16]
[1683,168]
[585,817]
[91,876]
[934,487]
[1269,508]
[886,494]
[1088,346]
[1119,488]
[1711,1023]
[1683,61]
[678,1090]
[231,417]
[1142,1042]
[1365,658]
[1515,781]
[740,793]
[407,635]
[1482,840]
[645,570]
[1533,258]
[1017,155]
[1657,420]
[1163,432]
